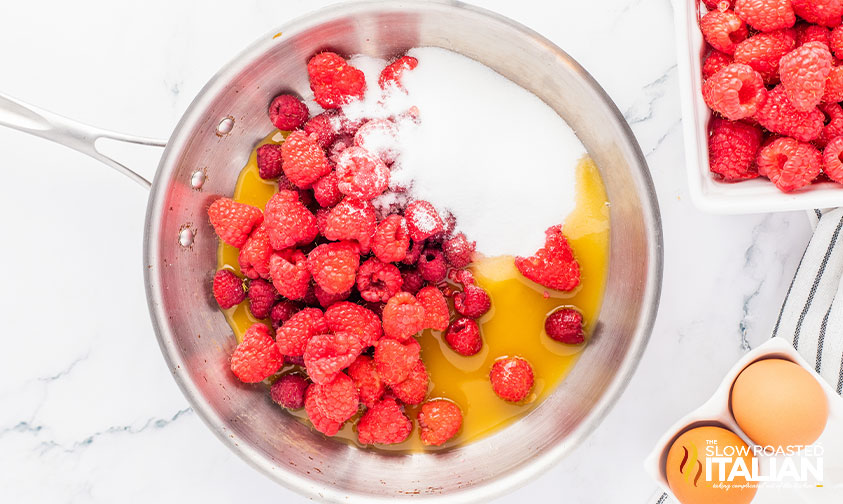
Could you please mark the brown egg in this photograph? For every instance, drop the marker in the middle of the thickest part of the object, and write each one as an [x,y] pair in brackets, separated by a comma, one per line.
[686,468]
[778,403]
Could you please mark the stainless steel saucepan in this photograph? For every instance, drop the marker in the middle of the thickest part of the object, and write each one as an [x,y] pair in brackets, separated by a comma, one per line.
[201,162]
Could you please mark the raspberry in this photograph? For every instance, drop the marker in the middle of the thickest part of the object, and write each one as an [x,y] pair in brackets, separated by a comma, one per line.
[351,220]
[391,75]
[337,398]
[391,240]
[512,378]
[834,86]
[317,417]
[232,221]
[380,137]
[378,281]
[288,391]
[764,51]
[295,361]
[554,265]
[287,112]
[288,222]
[459,251]
[338,146]
[293,335]
[369,385]
[228,289]
[326,299]
[322,126]
[821,12]
[413,390]
[719,4]
[463,277]
[269,161]
[833,159]
[732,148]
[717,60]
[383,423]
[327,354]
[326,192]
[289,273]
[833,128]
[403,316]
[778,115]
[334,82]
[334,266]
[766,15]
[735,92]
[304,162]
[262,296]
[565,325]
[803,73]
[355,319]
[255,253]
[790,164]
[836,42]
[423,220]
[431,265]
[463,336]
[394,360]
[439,421]
[282,312]
[360,174]
[723,30]
[414,252]
[436,314]
[412,281]
[812,33]
[256,358]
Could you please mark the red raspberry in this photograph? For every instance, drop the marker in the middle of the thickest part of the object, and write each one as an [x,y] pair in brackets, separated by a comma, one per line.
[256,358]
[834,86]
[459,252]
[732,148]
[722,5]
[412,281]
[431,265]
[304,162]
[380,137]
[355,319]
[833,159]
[293,335]
[338,146]
[326,192]
[723,30]
[812,33]
[736,91]
[764,51]
[295,361]
[463,335]
[369,385]
[287,112]
[326,299]
[383,423]
[289,273]
[423,221]
[255,253]
[821,12]
[334,82]
[351,220]
[463,277]
[337,398]
[834,123]
[803,73]
[778,115]
[512,378]
[378,281]
[232,221]
[228,289]
[403,316]
[766,15]
[391,75]
[360,174]
[394,360]
[391,240]
[436,314]
[322,125]
[288,222]
[836,42]
[565,325]
[310,298]
[413,390]
[288,391]
[414,252]
[262,296]
[269,161]
[790,164]
[317,416]
[334,266]
[327,354]
[554,265]
[439,421]
[282,312]
[717,60]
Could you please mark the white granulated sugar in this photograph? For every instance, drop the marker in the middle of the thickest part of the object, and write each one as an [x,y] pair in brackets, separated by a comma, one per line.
[484,149]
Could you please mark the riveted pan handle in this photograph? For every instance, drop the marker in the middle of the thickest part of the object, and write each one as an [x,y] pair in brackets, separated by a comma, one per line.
[81,137]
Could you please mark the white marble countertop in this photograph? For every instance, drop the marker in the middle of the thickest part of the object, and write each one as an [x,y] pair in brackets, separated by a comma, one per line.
[89,411]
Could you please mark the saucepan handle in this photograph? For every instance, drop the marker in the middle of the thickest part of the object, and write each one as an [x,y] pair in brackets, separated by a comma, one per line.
[81,137]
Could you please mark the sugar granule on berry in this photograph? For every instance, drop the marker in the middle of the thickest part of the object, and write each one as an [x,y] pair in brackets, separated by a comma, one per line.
[380,137]
[351,220]
[361,174]
[459,252]
[322,126]
[391,74]
[423,221]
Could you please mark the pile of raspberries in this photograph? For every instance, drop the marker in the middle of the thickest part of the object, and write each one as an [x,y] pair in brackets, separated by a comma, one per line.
[774,82]
[344,289]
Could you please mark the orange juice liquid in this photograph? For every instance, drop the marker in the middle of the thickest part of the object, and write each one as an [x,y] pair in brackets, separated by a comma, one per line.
[513,327]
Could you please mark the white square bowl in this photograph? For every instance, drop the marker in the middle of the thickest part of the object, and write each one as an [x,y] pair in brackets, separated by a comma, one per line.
[710,195]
